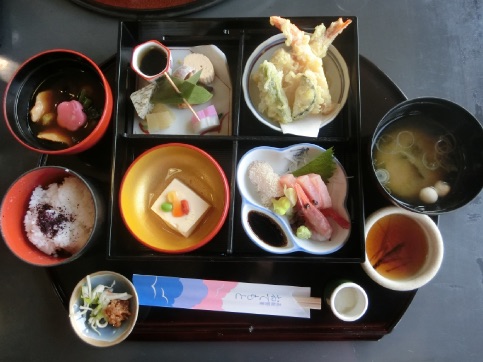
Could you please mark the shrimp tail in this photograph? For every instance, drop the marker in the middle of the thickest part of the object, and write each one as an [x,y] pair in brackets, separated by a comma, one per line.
[336,28]
[322,38]
[293,34]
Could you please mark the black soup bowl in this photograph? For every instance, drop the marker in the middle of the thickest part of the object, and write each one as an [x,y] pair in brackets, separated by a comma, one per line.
[427,156]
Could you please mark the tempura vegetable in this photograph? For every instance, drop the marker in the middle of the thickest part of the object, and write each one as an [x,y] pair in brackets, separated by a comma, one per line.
[273,100]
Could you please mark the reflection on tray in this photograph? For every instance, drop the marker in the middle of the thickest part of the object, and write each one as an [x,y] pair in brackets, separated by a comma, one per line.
[222,96]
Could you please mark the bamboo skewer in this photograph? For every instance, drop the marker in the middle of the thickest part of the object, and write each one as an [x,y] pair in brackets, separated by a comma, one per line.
[179,93]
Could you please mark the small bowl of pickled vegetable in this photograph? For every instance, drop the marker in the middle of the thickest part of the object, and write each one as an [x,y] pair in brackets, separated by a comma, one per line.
[103,308]
[426,156]
[58,102]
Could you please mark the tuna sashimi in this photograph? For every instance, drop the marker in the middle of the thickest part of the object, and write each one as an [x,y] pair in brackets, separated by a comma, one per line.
[338,218]
[316,190]
[316,221]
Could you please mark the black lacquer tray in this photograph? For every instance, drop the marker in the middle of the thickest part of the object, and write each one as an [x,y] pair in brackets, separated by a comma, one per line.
[386,307]
[236,39]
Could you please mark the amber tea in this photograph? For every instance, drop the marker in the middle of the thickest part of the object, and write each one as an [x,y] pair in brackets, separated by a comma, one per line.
[396,247]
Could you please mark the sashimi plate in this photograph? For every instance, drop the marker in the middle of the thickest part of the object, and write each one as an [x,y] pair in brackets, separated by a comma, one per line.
[285,160]
[222,95]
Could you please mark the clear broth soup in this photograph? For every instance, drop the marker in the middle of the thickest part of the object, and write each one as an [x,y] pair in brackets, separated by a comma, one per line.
[66,85]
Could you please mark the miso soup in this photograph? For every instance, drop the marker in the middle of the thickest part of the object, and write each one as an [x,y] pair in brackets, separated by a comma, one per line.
[65,85]
[396,246]
[413,153]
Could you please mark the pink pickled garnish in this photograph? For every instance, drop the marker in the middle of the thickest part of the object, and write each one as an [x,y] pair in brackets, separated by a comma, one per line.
[70,115]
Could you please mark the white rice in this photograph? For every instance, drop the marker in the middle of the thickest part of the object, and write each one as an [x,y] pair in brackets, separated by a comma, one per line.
[60,218]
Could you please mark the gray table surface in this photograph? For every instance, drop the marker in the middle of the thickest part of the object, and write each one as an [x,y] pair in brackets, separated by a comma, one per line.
[428,48]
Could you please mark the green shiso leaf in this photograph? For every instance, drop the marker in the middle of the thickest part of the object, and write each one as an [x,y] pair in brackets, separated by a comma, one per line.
[324,165]
[193,93]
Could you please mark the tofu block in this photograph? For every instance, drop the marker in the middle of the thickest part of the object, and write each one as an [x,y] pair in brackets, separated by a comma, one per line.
[185,224]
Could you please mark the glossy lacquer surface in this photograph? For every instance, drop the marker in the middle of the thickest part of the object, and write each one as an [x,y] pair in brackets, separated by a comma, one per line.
[429,48]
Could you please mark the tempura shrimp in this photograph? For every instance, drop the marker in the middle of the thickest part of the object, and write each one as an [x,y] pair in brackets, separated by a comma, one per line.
[322,38]
[307,53]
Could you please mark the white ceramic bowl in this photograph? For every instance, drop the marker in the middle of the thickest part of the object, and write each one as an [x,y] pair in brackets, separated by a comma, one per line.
[108,336]
[434,256]
[336,72]
[280,159]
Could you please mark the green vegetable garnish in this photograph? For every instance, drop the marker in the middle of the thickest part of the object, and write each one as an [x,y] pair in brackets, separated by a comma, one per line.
[281,205]
[92,112]
[166,206]
[291,194]
[303,232]
[324,165]
[193,93]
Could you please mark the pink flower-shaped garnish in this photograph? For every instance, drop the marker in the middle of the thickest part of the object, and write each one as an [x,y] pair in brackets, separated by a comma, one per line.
[70,115]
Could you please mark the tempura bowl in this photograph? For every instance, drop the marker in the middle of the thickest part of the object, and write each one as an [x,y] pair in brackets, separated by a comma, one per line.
[450,163]
[35,71]
[149,175]
[336,72]
[15,205]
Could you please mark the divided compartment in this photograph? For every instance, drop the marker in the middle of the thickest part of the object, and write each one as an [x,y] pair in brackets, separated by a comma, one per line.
[237,40]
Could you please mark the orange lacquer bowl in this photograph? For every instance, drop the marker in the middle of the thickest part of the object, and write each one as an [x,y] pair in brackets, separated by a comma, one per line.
[38,70]
[15,204]
[148,176]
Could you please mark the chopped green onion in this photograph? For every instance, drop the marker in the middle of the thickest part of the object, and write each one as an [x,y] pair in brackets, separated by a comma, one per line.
[95,301]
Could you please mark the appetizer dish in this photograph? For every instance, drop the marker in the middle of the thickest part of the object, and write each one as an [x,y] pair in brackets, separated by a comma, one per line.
[103,308]
[295,80]
[293,199]
[201,76]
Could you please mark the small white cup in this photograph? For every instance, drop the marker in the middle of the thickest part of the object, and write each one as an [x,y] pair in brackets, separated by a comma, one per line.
[347,300]
[140,51]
